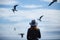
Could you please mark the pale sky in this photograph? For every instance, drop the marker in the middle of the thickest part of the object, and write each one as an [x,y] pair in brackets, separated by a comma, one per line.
[27,11]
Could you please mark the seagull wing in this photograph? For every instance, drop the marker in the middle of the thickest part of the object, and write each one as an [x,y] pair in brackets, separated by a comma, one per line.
[15,6]
[52,2]
[41,16]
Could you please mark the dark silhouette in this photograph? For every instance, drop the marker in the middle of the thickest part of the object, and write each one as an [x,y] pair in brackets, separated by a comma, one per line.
[33,32]
[14,8]
[40,18]
[52,2]
[21,34]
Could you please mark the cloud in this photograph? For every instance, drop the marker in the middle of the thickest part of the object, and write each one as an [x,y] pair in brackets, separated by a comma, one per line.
[58,1]
[48,0]
[8,14]
[5,21]
[31,6]
[51,15]
[8,2]
[50,21]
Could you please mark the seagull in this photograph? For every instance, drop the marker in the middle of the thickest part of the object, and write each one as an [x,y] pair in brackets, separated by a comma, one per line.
[52,2]
[14,8]
[21,34]
[40,17]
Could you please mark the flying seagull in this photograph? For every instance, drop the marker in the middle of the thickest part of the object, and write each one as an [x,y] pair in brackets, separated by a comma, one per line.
[21,34]
[52,2]
[14,8]
[40,18]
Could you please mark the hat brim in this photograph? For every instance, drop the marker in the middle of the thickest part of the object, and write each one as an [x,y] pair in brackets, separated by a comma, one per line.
[33,24]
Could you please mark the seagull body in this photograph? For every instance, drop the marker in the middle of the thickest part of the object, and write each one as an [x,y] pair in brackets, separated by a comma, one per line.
[52,2]
[14,9]
[21,34]
[40,18]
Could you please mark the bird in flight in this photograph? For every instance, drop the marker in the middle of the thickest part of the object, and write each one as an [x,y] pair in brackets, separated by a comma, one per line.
[14,8]
[40,18]
[52,2]
[21,34]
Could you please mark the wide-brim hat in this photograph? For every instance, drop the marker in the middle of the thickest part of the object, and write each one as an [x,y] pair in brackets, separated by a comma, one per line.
[33,23]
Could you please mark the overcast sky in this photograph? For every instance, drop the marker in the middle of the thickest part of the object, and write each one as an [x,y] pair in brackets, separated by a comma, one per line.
[27,11]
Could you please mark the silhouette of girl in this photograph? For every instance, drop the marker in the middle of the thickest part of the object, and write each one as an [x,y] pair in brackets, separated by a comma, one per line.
[33,32]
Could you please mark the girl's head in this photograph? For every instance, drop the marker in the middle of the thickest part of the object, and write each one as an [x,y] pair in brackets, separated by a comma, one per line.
[33,23]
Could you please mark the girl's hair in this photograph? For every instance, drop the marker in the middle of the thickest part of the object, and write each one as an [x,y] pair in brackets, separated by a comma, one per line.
[34,28]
